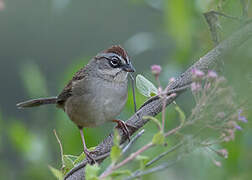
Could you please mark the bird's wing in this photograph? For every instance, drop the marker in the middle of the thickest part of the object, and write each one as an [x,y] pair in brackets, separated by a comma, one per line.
[67,91]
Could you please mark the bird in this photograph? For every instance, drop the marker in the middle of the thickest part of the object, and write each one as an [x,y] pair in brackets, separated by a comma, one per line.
[96,94]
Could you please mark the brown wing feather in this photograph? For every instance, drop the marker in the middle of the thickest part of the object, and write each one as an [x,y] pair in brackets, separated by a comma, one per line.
[67,91]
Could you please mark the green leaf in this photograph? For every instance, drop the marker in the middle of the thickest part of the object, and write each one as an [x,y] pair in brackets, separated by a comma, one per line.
[145,87]
[92,171]
[67,162]
[152,94]
[181,113]
[80,158]
[57,173]
[143,160]
[117,138]
[92,148]
[120,173]
[158,138]
[72,157]
[115,153]
[115,150]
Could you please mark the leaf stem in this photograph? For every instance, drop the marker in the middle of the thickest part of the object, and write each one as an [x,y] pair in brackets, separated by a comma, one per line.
[125,161]
[61,148]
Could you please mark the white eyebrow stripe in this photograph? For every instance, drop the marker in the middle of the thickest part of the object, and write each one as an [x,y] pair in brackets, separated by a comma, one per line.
[122,59]
[108,55]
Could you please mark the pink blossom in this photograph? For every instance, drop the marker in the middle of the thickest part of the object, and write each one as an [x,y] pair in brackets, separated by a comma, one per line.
[156,69]
[228,135]
[231,134]
[197,74]
[217,163]
[223,153]
[212,74]
[195,86]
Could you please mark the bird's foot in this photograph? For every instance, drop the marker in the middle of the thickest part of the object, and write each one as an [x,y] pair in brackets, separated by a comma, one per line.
[89,157]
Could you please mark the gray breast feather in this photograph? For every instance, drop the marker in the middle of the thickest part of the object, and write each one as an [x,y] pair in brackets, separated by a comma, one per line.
[94,104]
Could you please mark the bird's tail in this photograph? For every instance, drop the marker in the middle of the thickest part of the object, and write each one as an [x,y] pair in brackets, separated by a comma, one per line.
[37,102]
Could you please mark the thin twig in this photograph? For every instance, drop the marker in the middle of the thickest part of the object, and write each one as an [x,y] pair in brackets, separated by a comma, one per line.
[212,21]
[163,113]
[245,6]
[168,92]
[125,161]
[226,16]
[151,170]
[164,154]
[174,130]
[125,149]
[134,155]
[133,140]
[133,91]
[61,148]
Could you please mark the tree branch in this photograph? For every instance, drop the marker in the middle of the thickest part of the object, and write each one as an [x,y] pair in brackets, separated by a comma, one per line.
[153,106]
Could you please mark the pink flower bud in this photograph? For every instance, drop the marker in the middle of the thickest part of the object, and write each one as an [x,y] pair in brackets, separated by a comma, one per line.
[197,74]
[195,87]
[156,69]
[212,74]
[223,153]
[231,134]
[217,163]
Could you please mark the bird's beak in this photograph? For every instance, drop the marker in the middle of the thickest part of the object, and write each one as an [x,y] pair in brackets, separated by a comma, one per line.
[128,68]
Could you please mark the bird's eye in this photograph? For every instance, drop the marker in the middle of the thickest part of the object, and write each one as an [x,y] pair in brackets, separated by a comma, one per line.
[114,62]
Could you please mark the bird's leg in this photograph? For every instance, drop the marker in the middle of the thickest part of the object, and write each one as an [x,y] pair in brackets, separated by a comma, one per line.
[123,126]
[86,151]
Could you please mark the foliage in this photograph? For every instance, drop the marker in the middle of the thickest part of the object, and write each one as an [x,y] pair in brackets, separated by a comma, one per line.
[145,87]
[213,126]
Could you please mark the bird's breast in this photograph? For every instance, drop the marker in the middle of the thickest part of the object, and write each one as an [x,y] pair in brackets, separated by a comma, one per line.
[98,103]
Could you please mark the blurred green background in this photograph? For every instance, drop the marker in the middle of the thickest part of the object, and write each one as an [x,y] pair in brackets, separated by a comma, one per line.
[43,42]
